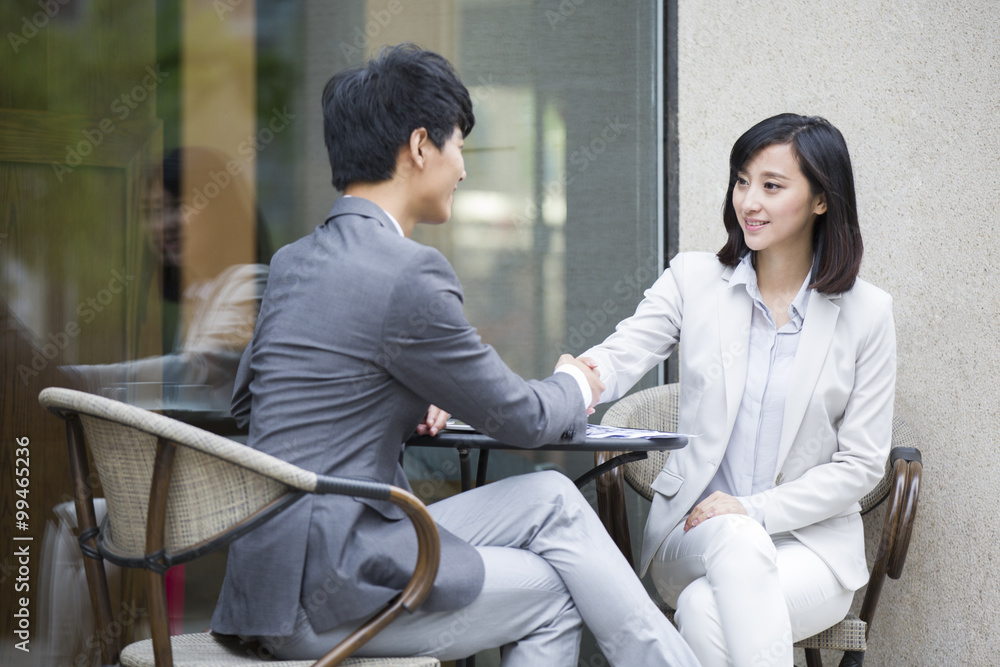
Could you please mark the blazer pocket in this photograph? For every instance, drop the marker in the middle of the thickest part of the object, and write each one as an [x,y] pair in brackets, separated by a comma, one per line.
[667,483]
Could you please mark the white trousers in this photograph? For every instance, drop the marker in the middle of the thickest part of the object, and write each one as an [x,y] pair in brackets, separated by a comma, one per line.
[550,566]
[743,596]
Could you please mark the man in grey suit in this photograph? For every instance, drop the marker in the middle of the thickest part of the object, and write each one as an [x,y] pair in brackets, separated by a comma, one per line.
[360,335]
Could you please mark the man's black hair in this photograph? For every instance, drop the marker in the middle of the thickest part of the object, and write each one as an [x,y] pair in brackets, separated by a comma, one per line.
[370,111]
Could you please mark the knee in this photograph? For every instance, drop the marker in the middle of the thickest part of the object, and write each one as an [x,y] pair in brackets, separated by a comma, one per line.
[739,539]
[557,487]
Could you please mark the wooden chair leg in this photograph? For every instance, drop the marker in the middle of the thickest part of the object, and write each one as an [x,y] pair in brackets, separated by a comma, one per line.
[852,659]
[93,564]
[155,522]
[159,621]
[611,505]
[813,657]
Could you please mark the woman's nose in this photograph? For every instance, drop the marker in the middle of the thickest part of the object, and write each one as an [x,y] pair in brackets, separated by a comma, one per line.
[751,201]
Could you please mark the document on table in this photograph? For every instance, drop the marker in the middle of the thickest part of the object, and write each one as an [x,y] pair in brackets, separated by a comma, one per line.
[598,431]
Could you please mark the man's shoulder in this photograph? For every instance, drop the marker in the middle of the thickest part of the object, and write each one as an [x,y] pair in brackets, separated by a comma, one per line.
[356,238]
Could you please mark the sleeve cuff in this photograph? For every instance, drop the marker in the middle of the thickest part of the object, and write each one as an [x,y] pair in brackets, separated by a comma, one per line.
[754,509]
[581,382]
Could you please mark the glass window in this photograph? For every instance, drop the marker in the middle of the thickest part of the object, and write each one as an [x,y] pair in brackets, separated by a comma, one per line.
[155,153]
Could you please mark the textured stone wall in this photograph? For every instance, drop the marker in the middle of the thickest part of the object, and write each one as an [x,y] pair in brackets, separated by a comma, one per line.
[914,85]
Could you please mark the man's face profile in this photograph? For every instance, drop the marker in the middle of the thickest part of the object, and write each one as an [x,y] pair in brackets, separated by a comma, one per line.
[443,169]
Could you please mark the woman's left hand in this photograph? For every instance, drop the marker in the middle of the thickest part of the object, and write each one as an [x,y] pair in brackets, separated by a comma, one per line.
[433,421]
[716,504]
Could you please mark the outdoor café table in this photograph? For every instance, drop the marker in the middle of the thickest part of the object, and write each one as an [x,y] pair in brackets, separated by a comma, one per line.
[633,449]
[465,440]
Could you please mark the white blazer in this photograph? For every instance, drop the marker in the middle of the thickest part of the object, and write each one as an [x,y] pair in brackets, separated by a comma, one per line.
[837,425]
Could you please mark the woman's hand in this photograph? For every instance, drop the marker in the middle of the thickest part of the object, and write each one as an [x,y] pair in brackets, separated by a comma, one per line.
[716,504]
[589,368]
[433,421]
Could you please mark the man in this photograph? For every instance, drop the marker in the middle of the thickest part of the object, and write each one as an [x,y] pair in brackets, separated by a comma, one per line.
[361,333]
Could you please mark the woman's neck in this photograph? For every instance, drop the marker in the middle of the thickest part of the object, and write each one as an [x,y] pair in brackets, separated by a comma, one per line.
[781,273]
[779,278]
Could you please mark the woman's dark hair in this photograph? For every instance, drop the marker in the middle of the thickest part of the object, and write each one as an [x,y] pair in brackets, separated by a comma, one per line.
[370,111]
[824,160]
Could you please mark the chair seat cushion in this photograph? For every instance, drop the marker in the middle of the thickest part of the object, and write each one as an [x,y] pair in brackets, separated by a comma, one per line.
[848,635]
[208,650]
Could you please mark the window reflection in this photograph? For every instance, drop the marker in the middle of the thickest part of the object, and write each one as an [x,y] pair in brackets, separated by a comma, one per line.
[136,262]
[210,296]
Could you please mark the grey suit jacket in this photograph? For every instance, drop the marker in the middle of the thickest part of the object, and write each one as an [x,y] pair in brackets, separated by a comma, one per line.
[359,330]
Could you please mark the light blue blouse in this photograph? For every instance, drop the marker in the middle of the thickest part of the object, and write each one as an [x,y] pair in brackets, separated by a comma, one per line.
[750,461]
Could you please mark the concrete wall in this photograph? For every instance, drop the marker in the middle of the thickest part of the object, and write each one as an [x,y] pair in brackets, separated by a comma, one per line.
[914,85]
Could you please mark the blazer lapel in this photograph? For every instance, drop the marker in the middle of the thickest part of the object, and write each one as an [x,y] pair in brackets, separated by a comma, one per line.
[735,311]
[817,333]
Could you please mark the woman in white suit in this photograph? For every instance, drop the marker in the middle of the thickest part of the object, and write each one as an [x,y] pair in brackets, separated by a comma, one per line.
[787,369]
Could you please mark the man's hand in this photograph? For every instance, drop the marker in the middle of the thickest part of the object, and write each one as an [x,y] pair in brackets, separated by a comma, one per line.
[433,421]
[589,368]
[716,504]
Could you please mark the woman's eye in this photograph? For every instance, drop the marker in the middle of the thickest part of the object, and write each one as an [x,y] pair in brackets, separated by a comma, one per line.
[771,186]
[740,180]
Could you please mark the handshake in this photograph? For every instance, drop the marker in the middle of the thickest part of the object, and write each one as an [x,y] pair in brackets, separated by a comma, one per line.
[589,369]
[436,419]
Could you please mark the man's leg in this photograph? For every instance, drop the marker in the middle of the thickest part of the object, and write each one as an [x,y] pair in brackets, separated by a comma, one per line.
[545,514]
[523,608]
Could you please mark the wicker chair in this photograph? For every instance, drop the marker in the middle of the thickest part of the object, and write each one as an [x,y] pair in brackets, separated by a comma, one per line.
[657,408]
[218,491]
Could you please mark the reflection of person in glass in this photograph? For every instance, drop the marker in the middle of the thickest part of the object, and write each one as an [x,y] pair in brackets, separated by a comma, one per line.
[361,333]
[211,295]
[788,368]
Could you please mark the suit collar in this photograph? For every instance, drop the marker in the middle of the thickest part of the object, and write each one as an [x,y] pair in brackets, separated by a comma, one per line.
[362,207]
[735,311]
[817,335]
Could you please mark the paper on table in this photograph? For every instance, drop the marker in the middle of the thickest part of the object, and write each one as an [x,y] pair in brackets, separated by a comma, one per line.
[599,431]
[595,431]
[455,425]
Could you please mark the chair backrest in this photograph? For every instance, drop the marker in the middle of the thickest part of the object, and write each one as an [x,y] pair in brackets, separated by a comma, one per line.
[207,495]
[195,492]
[657,408]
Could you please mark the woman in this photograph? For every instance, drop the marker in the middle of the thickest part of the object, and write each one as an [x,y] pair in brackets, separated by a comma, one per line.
[787,381]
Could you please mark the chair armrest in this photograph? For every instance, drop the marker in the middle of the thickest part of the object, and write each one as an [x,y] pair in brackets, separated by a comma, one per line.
[428,560]
[897,528]
[914,472]
[611,505]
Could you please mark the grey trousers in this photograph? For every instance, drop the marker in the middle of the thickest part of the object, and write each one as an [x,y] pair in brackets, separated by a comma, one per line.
[550,566]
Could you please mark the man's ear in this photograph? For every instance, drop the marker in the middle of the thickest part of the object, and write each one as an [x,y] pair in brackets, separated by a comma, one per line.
[417,146]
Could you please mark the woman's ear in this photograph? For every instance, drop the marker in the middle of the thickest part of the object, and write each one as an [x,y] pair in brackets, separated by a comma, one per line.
[820,207]
[417,146]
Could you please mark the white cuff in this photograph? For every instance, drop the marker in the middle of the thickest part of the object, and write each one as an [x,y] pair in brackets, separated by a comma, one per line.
[754,509]
[581,381]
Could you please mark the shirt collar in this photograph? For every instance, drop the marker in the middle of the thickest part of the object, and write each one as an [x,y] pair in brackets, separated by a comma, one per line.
[744,274]
[389,215]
